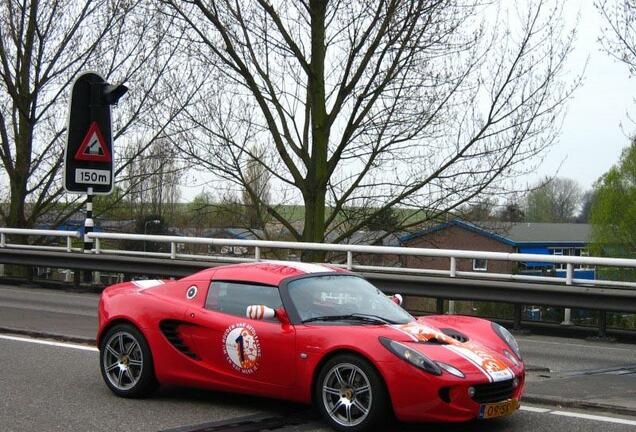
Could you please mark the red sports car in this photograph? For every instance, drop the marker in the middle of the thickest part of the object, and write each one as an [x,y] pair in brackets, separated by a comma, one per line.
[307,333]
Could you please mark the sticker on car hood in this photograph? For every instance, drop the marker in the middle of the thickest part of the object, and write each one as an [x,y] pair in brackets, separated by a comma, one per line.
[419,332]
[494,368]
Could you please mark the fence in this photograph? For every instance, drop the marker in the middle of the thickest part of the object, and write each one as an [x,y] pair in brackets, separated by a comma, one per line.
[567,291]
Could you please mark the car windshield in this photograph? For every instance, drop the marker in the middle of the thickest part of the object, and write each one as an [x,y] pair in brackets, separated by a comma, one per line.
[344,298]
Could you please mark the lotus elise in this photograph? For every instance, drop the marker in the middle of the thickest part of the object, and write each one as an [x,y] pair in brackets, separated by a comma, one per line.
[307,333]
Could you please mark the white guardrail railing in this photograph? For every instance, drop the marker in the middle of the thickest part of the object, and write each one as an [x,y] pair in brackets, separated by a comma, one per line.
[347,252]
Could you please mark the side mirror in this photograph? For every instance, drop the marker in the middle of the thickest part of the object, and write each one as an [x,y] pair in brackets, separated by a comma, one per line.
[282,316]
[397,299]
[260,312]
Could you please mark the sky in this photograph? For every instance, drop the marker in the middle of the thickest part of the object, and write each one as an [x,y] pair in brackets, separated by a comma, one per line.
[597,124]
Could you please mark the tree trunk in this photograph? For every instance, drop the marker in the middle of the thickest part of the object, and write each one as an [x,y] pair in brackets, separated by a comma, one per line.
[315,188]
[314,230]
[17,219]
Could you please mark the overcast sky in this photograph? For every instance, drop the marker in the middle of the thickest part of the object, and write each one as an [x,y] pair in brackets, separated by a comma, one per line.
[597,123]
[598,118]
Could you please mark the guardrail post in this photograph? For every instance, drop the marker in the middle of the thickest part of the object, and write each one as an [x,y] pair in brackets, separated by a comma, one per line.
[3,240]
[440,306]
[516,325]
[173,250]
[602,324]
[569,277]
[349,260]
[97,246]
[453,273]
[69,244]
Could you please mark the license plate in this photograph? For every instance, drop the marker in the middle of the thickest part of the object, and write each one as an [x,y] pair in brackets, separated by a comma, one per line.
[498,409]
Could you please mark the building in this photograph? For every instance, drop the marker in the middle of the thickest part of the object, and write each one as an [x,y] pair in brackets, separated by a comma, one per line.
[506,237]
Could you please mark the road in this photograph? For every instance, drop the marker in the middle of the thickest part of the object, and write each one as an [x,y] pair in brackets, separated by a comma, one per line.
[58,388]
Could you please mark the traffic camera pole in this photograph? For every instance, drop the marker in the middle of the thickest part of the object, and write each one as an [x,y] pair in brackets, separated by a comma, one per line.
[88,228]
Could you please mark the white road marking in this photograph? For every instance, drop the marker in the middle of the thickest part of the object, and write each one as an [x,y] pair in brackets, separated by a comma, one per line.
[48,342]
[533,409]
[595,417]
[578,415]
[521,339]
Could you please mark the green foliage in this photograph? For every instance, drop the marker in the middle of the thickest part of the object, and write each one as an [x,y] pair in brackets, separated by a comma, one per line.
[200,212]
[112,206]
[613,213]
[385,220]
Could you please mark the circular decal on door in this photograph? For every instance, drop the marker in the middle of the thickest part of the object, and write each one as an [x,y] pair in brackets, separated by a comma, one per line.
[242,348]
[192,291]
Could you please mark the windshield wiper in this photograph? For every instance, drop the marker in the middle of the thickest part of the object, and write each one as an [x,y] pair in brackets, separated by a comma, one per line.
[371,319]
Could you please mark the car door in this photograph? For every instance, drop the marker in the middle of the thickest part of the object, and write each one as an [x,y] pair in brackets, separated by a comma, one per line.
[244,354]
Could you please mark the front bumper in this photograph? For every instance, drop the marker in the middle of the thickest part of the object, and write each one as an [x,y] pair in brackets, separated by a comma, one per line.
[417,396]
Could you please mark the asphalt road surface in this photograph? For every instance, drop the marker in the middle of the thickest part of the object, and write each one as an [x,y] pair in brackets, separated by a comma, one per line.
[57,387]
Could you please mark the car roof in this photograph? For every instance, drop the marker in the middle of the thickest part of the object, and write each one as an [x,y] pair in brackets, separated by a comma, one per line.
[271,272]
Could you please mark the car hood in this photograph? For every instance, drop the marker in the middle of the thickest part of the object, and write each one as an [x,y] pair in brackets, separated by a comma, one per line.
[471,357]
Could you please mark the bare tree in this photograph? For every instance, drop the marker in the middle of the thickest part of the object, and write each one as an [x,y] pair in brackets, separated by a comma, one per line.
[43,47]
[587,201]
[256,194]
[480,211]
[153,179]
[554,200]
[511,212]
[419,104]
[619,33]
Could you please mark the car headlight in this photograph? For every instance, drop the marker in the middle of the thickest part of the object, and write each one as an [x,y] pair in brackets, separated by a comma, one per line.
[508,338]
[411,356]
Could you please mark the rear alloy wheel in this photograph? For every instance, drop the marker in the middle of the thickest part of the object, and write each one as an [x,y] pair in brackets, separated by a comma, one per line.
[350,394]
[126,362]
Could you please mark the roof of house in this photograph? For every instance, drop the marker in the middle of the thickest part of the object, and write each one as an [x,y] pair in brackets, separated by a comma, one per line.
[548,232]
[367,237]
[518,233]
[234,233]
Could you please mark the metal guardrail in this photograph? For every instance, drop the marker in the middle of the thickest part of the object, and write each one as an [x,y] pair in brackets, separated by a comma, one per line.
[69,235]
[347,250]
[442,284]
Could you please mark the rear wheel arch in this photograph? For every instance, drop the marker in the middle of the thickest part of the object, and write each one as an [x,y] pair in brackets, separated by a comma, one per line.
[115,322]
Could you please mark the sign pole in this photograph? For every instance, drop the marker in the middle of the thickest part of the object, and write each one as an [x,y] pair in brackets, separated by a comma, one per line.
[88,228]
[88,155]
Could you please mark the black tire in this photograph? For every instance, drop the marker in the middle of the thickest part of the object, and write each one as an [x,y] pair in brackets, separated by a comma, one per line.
[127,370]
[349,417]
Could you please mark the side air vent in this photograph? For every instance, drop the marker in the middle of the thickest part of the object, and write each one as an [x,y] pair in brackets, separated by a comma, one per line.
[169,330]
[455,334]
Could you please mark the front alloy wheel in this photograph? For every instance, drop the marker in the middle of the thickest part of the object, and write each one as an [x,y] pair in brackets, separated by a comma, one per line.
[350,394]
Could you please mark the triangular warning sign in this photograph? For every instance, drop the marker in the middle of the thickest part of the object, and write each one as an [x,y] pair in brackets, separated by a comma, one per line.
[93,147]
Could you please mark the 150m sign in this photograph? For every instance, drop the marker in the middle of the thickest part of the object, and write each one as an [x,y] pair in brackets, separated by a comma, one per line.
[88,156]
[92,176]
